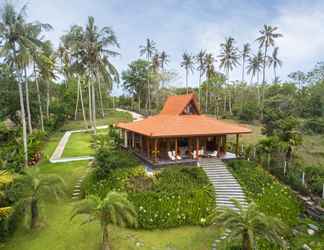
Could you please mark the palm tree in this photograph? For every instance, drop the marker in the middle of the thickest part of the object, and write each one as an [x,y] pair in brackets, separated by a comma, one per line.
[115,209]
[149,49]
[209,61]
[245,55]
[188,64]
[254,66]
[15,36]
[33,186]
[274,61]
[200,60]
[96,45]
[267,39]
[164,60]
[249,225]
[229,59]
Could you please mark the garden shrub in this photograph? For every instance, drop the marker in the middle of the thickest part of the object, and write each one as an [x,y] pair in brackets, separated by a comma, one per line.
[165,209]
[176,196]
[107,160]
[271,197]
[315,125]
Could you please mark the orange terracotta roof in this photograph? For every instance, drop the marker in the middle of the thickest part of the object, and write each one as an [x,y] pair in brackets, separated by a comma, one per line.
[182,125]
[175,105]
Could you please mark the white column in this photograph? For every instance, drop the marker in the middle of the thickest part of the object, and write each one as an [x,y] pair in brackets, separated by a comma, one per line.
[125,138]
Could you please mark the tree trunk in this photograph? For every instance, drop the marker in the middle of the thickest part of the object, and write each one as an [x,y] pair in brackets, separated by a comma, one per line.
[39,101]
[48,100]
[30,128]
[206,100]
[187,81]
[77,101]
[264,63]
[246,242]
[23,121]
[34,213]
[243,62]
[105,238]
[90,103]
[224,111]
[22,110]
[94,108]
[139,102]
[100,97]
[199,90]
[82,106]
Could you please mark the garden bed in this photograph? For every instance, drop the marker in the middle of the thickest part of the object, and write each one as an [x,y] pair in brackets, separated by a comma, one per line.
[174,197]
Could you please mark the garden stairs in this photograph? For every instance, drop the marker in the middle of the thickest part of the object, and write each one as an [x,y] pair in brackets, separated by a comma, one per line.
[225,185]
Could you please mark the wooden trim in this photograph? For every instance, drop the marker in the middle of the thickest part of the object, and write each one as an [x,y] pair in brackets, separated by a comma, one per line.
[197,148]
[148,148]
[237,144]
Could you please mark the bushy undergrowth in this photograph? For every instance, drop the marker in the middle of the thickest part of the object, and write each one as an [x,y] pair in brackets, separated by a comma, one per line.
[271,197]
[176,196]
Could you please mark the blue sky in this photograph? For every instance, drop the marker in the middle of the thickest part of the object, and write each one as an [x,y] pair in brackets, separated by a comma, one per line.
[177,26]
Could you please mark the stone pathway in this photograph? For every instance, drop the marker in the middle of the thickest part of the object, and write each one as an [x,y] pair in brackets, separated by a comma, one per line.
[225,185]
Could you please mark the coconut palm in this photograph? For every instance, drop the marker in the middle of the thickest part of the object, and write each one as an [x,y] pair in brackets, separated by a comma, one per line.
[149,49]
[254,66]
[274,61]
[33,186]
[201,67]
[209,61]
[266,40]
[96,56]
[164,60]
[188,64]
[249,224]
[245,55]
[15,36]
[229,59]
[114,208]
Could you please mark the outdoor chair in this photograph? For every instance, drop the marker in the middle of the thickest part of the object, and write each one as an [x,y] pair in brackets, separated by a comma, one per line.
[170,154]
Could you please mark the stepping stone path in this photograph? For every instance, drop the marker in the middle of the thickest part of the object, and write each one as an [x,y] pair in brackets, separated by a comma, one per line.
[76,194]
[225,185]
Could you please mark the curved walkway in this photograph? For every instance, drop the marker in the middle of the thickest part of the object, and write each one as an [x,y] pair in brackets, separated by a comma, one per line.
[57,155]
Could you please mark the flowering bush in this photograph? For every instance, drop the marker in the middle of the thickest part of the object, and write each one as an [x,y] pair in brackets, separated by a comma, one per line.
[271,197]
[176,196]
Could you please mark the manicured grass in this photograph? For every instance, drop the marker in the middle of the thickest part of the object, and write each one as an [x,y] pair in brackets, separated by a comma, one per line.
[112,117]
[79,144]
[183,238]
[58,232]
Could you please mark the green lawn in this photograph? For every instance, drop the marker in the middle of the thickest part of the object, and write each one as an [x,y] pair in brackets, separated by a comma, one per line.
[79,144]
[58,232]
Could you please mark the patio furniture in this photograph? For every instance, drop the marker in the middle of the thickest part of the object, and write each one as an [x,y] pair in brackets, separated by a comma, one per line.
[171,156]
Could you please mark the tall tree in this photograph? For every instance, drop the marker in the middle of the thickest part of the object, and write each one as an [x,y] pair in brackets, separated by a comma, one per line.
[164,60]
[229,59]
[188,64]
[266,40]
[15,36]
[209,61]
[245,55]
[149,49]
[114,209]
[201,67]
[96,45]
[249,225]
[275,62]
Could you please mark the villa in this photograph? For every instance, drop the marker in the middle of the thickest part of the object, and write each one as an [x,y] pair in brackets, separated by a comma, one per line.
[179,134]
